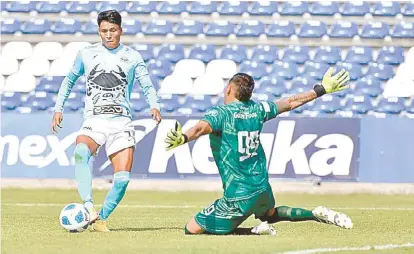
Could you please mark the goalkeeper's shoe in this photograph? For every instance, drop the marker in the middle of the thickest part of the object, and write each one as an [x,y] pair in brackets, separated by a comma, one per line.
[329,216]
[100,226]
[93,214]
[264,229]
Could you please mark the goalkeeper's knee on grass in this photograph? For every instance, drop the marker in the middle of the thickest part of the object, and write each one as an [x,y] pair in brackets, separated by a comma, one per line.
[286,213]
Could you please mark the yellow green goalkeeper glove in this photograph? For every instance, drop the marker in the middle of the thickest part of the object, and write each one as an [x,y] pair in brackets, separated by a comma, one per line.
[175,137]
[331,84]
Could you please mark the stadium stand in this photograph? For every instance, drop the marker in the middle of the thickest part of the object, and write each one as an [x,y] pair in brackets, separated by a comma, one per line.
[193,48]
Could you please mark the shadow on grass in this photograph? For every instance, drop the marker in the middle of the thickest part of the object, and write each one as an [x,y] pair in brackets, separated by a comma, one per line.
[147,229]
[238,231]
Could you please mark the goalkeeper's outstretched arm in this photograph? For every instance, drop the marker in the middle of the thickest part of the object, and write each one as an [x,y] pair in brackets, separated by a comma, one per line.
[176,137]
[330,84]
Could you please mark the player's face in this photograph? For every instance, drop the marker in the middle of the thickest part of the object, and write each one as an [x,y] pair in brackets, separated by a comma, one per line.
[110,34]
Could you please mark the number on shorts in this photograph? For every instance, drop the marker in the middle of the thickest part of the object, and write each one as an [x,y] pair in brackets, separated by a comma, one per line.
[209,210]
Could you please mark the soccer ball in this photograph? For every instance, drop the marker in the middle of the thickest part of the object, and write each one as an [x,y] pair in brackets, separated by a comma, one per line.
[74,218]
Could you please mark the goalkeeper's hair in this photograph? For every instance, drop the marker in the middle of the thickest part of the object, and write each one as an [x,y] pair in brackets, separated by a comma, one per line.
[111,16]
[245,86]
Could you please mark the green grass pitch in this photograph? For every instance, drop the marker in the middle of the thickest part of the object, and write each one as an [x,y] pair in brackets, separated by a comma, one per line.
[153,222]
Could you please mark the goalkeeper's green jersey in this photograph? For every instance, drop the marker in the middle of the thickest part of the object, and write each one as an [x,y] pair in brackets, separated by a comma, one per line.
[236,146]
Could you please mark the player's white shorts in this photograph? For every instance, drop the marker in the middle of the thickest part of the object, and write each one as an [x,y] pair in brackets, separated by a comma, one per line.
[115,133]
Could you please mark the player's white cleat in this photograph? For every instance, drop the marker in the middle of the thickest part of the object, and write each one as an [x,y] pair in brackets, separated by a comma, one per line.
[329,216]
[92,213]
[264,229]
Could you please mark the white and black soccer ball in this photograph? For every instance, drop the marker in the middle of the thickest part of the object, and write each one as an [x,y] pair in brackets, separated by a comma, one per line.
[74,218]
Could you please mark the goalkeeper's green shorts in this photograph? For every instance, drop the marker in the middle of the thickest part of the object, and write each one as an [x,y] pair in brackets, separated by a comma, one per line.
[224,216]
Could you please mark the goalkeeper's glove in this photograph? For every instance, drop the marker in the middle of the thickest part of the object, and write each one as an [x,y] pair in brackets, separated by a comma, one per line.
[331,84]
[175,137]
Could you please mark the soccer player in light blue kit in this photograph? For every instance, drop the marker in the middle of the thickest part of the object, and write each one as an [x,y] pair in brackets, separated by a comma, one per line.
[111,69]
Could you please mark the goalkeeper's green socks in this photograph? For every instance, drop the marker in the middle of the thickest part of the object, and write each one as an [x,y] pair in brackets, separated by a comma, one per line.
[286,213]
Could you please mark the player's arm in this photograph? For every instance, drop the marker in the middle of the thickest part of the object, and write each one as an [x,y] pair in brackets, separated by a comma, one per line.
[330,84]
[151,96]
[65,89]
[176,137]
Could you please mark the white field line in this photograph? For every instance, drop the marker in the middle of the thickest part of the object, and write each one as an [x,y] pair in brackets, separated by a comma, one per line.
[348,249]
[200,206]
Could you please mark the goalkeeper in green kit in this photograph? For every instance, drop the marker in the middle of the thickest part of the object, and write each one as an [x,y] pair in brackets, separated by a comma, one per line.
[234,130]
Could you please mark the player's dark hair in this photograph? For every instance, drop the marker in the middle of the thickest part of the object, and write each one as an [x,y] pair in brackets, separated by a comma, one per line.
[111,16]
[245,85]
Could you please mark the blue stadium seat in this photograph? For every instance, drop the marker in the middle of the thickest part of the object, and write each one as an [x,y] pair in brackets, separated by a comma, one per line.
[203,52]
[408,9]
[263,8]
[380,71]
[156,81]
[355,70]
[356,8]
[250,28]
[272,84]
[375,30]
[390,106]
[237,53]
[368,86]
[343,29]
[233,8]
[220,28]
[172,7]
[10,101]
[141,7]
[169,104]
[294,8]
[403,30]
[296,54]
[198,104]
[81,7]
[131,26]
[327,54]
[55,80]
[146,51]
[158,27]
[40,103]
[391,55]
[138,106]
[325,8]
[91,27]
[328,104]
[3,5]
[286,70]
[359,55]
[51,7]
[315,69]
[9,26]
[171,52]
[386,8]
[67,26]
[79,88]
[265,53]
[160,67]
[75,104]
[37,26]
[312,29]
[359,105]
[120,6]
[255,69]
[281,28]
[410,108]
[189,28]
[21,6]
[203,7]
[301,84]
[48,88]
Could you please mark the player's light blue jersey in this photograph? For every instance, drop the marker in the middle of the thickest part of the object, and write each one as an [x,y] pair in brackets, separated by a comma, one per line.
[110,75]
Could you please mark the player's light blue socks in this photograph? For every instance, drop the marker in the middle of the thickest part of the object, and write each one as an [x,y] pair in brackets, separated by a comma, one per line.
[115,194]
[83,173]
